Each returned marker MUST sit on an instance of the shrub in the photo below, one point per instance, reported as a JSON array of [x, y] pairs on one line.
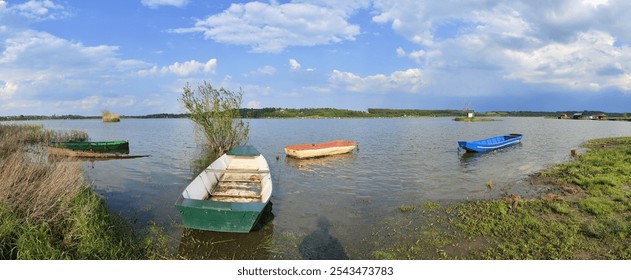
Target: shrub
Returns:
[[216, 113]]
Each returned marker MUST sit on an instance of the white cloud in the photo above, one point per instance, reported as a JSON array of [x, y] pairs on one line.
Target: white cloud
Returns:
[[266, 70], [21, 105], [38, 61], [36, 10], [273, 27], [87, 103], [294, 65], [590, 62], [157, 3], [124, 101], [7, 90], [411, 80], [183, 69], [572, 44], [254, 104], [46, 74]]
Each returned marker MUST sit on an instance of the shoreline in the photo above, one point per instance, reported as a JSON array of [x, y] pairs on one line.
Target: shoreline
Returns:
[[584, 215], [291, 113]]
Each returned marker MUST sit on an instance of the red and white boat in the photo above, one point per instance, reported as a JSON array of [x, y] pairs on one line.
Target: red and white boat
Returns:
[[320, 149]]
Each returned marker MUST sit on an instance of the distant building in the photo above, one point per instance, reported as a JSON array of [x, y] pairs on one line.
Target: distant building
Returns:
[[563, 116], [600, 117], [470, 115], [577, 116]]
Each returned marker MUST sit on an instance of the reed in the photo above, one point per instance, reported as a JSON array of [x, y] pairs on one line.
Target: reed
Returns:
[[40, 191], [108, 116], [30, 185], [65, 136], [47, 211]]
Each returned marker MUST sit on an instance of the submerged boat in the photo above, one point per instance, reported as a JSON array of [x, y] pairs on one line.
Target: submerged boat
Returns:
[[229, 195], [320, 149], [490, 144], [97, 147]]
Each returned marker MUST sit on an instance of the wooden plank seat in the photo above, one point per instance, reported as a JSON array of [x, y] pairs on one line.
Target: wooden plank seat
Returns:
[[252, 171], [240, 185]]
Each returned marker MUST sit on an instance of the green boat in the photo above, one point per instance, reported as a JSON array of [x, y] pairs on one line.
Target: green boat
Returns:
[[229, 195], [99, 147]]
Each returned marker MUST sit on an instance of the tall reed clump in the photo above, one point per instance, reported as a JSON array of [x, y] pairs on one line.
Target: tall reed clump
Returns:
[[108, 116], [65, 136], [14, 137], [41, 192], [47, 211], [216, 112]]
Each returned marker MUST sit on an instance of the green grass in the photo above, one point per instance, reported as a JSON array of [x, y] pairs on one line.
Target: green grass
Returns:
[[90, 232]]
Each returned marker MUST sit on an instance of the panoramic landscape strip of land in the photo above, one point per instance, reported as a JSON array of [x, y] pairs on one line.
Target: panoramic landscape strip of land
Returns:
[[57, 215], [343, 113]]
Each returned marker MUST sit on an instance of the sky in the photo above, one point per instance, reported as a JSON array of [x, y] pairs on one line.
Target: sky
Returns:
[[134, 57]]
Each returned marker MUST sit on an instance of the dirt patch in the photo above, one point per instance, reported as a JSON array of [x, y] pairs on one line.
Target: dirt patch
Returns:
[[556, 191], [466, 249]]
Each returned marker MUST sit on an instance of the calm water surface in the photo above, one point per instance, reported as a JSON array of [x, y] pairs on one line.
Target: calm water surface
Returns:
[[329, 207]]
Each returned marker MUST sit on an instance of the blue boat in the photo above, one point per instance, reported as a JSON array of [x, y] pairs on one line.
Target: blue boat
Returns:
[[490, 144]]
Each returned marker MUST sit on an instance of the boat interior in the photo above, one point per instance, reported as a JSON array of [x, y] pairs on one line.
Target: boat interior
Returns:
[[233, 179]]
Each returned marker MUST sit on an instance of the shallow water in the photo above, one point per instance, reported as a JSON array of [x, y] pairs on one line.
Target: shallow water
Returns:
[[329, 206]]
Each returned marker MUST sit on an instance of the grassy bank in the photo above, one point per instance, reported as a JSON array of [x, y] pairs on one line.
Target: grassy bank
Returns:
[[47, 211], [588, 216], [475, 119]]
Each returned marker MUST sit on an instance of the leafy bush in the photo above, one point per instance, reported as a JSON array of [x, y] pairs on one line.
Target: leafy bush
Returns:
[[216, 112]]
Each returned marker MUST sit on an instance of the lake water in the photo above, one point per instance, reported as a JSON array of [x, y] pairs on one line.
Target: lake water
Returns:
[[330, 207]]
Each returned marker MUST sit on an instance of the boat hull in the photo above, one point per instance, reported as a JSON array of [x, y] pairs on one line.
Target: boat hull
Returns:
[[229, 195], [92, 155], [490, 144], [302, 151], [97, 147], [219, 216]]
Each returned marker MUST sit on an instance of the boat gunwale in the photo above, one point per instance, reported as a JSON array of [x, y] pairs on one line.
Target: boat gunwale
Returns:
[[482, 145], [322, 145]]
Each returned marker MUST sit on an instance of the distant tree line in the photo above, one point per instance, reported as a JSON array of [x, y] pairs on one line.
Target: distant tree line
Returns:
[[53, 117], [302, 113], [283, 113], [398, 113]]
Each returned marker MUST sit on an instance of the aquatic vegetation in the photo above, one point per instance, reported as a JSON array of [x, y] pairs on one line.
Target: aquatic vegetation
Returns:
[[108, 116], [47, 211], [406, 208]]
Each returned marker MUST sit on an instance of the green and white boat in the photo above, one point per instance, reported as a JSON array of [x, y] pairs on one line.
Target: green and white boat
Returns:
[[230, 194]]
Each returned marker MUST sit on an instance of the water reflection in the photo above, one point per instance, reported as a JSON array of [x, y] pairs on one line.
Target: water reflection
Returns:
[[203, 160], [321, 245], [209, 245], [469, 159], [310, 163]]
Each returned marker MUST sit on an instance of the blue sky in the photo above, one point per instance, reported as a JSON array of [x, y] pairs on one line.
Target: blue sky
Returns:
[[134, 57]]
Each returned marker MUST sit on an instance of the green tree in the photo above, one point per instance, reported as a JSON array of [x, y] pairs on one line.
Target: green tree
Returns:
[[216, 112]]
